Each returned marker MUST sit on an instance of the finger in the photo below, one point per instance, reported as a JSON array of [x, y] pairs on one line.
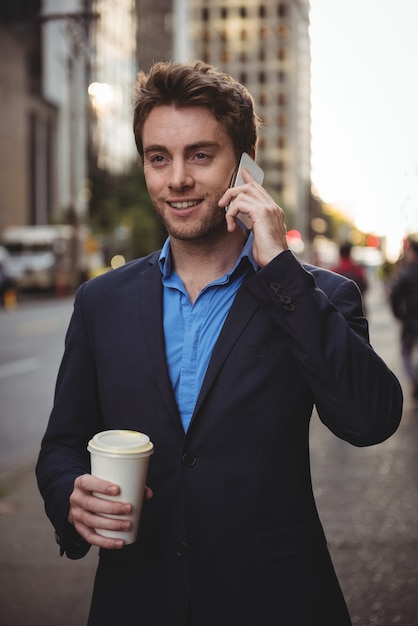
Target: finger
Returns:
[[95, 539], [81, 501], [148, 493], [247, 176], [90, 483]]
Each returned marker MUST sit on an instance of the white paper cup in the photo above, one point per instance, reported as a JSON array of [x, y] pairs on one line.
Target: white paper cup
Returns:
[[122, 457]]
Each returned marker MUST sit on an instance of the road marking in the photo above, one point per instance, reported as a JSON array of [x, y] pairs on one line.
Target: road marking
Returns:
[[19, 367]]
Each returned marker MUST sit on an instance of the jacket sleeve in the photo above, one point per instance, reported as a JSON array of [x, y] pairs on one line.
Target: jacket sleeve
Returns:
[[356, 395], [75, 417]]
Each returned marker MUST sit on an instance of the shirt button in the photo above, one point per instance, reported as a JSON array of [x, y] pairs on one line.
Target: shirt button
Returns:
[[181, 549], [188, 459]]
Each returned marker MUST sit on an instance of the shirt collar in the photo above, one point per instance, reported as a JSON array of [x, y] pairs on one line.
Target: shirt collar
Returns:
[[164, 259]]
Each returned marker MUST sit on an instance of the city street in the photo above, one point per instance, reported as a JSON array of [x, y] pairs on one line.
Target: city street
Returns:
[[32, 342], [367, 497]]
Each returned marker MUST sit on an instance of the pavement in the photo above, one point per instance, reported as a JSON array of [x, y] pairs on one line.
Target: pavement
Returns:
[[367, 500]]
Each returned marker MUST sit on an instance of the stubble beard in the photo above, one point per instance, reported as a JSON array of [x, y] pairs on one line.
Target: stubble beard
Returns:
[[211, 223]]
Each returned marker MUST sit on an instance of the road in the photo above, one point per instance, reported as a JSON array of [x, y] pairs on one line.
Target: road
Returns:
[[32, 342], [367, 497]]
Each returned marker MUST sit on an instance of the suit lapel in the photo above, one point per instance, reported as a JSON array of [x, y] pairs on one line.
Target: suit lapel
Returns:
[[151, 320], [241, 312]]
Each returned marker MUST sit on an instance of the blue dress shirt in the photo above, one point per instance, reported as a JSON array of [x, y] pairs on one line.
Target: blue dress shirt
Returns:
[[191, 330]]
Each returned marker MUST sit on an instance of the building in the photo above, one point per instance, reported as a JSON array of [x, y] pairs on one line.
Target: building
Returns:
[[113, 69], [155, 31], [27, 122], [65, 58], [43, 127]]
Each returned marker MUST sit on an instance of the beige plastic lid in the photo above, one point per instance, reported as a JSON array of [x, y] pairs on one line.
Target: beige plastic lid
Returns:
[[129, 442]]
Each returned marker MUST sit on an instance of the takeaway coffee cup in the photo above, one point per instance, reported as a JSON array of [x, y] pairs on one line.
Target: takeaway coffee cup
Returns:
[[122, 457]]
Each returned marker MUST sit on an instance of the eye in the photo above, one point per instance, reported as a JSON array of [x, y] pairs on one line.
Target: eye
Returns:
[[201, 157], [156, 160]]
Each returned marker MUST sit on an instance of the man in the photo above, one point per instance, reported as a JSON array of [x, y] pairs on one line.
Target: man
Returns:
[[348, 268], [217, 347], [404, 301]]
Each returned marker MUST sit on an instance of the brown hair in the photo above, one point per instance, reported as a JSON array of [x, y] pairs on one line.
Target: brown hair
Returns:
[[198, 84]]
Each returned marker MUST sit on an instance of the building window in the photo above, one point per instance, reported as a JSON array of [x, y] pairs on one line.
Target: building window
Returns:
[[281, 121], [262, 99], [243, 12], [281, 143], [281, 76], [206, 35], [261, 78], [243, 78], [283, 31], [205, 14], [264, 32], [282, 9], [281, 99], [262, 11], [224, 13], [281, 53]]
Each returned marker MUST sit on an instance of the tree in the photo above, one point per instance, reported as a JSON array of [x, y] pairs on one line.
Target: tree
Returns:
[[122, 215]]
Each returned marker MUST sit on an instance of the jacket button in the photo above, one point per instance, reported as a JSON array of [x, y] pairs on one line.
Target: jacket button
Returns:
[[181, 549], [188, 459]]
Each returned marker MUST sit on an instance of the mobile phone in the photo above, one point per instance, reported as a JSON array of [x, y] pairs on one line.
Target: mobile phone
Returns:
[[257, 173]]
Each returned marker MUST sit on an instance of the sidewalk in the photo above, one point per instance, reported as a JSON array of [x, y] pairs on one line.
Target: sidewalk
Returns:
[[38, 587], [367, 500]]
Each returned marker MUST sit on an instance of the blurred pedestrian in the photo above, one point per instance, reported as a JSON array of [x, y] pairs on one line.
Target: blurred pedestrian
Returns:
[[404, 302], [347, 267], [217, 347]]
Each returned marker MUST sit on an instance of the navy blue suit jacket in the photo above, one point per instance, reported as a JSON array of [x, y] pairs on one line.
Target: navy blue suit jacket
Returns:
[[232, 528]]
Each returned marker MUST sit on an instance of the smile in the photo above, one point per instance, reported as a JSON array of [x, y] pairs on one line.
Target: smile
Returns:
[[183, 205]]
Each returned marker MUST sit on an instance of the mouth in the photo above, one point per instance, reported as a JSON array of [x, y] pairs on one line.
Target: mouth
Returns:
[[184, 204]]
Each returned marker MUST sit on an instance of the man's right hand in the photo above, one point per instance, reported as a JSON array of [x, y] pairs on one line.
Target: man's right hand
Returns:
[[88, 511]]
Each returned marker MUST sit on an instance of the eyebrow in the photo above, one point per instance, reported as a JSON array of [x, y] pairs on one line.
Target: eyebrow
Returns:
[[189, 148]]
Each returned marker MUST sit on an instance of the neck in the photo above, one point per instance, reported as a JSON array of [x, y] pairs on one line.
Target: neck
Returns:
[[198, 263]]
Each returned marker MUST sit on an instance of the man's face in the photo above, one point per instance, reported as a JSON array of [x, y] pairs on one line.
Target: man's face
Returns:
[[189, 161]]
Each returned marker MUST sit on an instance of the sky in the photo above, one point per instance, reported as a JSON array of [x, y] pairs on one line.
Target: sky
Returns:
[[365, 111]]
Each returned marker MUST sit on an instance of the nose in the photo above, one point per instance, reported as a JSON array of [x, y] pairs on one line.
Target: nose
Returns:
[[180, 175]]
